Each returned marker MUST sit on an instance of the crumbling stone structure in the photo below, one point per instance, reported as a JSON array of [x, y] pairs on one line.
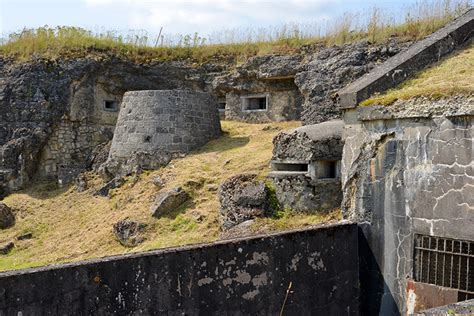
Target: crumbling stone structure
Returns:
[[155, 125], [261, 90], [306, 167], [408, 179], [55, 112]]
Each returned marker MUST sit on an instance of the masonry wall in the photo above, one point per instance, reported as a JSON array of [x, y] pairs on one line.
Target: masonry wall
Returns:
[[164, 120], [401, 177], [240, 277]]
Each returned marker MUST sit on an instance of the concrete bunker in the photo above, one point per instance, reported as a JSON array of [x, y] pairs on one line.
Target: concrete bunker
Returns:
[[306, 167], [157, 124], [261, 90], [408, 180]]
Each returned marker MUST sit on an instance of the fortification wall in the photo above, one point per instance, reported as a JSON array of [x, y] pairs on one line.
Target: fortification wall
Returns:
[[174, 121], [404, 177], [240, 277]]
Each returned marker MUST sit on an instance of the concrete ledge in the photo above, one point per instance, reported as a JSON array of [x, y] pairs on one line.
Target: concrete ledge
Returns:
[[251, 276], [403, 65]]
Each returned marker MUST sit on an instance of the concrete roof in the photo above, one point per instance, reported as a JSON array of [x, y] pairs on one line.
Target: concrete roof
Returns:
[[403, 65], [321, 131]]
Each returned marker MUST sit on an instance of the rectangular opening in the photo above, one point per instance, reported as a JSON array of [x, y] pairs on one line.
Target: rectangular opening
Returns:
[[445, 262], [254, 103], [111, 105], [290, 167], [221, 106], [326, 169]]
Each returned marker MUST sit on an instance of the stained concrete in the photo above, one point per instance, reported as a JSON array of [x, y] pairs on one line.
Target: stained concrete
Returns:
[[401, 177], [240, 277]]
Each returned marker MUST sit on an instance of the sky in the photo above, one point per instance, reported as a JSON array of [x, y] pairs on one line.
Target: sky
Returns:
[[177, 16]]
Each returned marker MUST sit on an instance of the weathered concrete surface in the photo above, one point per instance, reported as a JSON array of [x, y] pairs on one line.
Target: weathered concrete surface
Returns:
[[423, 296], [403, 65], [460, 308], [401, 177], [312, 142], [242, 197], [239, 277], [303, 194], [304, 191]]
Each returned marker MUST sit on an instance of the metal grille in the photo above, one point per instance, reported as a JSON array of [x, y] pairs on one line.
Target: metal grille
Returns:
[[445, 262]]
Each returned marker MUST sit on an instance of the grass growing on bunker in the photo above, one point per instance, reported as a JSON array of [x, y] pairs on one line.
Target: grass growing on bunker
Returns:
[[70, 226], [449, 77], [376, 26]]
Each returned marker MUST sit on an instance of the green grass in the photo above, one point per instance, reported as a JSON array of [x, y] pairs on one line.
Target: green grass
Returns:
[[449, 77], [419, 20]]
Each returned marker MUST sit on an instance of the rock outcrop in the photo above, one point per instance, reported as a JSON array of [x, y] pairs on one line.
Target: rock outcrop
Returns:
[[242, 198], [128, 232], [7, 218], [168, 201]]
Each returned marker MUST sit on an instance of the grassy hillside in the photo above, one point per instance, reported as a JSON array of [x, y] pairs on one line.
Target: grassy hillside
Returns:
[[69, 226], [418, 21], [451, 76]]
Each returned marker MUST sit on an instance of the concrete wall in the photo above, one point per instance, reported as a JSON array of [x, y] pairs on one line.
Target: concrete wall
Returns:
[[282, 105], [240, 277], [401, 177], [164, 120]]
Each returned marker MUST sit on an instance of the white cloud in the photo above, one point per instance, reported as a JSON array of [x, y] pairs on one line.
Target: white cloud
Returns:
[[206, 16]]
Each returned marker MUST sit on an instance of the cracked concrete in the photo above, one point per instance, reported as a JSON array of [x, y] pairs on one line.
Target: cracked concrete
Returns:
[[405, 176]]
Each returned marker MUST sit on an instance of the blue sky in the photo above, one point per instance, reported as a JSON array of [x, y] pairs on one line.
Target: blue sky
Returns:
[[177, 16]]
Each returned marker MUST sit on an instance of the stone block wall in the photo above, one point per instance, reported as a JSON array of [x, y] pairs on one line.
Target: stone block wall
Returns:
[[174, 121], [403, 177], [69, 146], [315, 269]]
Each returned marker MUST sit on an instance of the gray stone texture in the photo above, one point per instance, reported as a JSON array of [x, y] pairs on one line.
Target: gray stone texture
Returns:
[[239, 277], [461, 308], [302, 194], [313, 142], [7, 218], [5, 248], [242, 198], [417, 57], [168, 201], [307, 144], [128, 232], [52, 110], [174, 121], [407, 176]]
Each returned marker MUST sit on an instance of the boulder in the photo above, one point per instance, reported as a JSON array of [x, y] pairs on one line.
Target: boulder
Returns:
[[6, 248], [168, 201], [81, 183], [112, 184], [158, 182], [242, 198], [128, 232], [7, 218]]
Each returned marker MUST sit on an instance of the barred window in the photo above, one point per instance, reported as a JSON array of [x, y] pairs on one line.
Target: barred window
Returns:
[[445, 262]]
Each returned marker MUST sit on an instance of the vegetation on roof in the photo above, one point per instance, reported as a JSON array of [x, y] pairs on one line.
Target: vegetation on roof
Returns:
[[69, 226], [419, 20], [452, 76]]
